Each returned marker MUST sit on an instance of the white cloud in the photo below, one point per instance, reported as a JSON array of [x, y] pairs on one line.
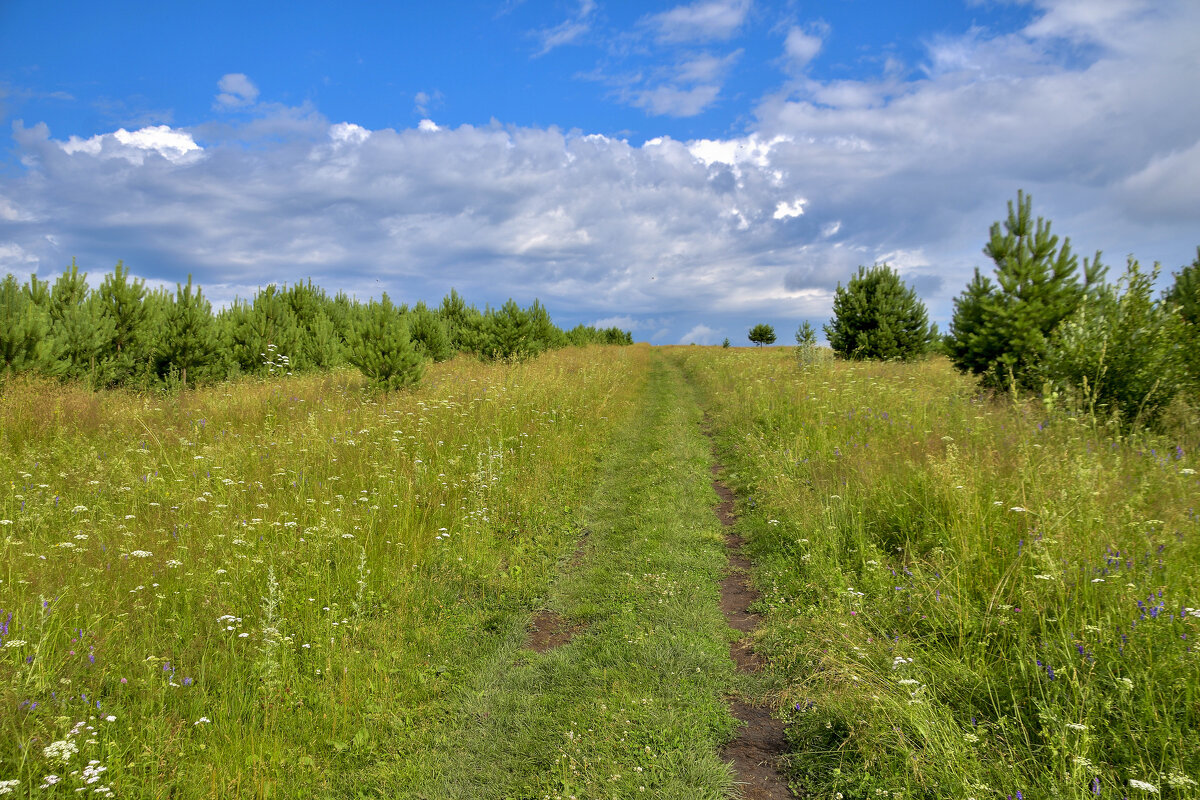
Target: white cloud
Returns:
[[669, 232], [801, 47], [706, 20], [237, 91], [785, 210], [673, 101], [700, 334], [567, 31], [174, 145]]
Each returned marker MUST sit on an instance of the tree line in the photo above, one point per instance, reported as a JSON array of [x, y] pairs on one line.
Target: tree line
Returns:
[[124, 334], [1040, 324]]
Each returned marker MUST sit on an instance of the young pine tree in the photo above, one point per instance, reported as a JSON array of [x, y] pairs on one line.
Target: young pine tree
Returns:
[[1000, 331], [24, 326], [189, 344], [78, 325], [381, 348], [123, 303], [762, 334], [876, 316], [1184, 295]]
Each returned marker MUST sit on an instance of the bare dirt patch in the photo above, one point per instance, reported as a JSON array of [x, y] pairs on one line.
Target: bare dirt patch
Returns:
[[760, 743], [548, 630]]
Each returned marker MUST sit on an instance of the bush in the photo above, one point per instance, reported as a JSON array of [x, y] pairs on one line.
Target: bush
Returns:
[[1001, 331], [1184, 295], [877, 317], [1118, 353]]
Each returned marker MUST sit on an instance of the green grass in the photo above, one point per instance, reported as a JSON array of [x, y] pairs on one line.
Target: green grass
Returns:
[[633, 705], [263, 589], [965, 597], [293, 588]]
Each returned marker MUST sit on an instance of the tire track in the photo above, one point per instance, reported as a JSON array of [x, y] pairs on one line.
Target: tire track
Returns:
[[760, 743]]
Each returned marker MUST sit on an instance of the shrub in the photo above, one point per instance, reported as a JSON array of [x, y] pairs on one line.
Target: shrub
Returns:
[[1118, 352], [1184, 295], [877, 317]]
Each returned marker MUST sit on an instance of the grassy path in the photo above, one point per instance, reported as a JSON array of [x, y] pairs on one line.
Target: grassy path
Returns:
[[632, 705]]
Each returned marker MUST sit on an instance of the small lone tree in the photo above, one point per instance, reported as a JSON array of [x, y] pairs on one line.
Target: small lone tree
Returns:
[[1000, 331], [876, 316], [806, 343], [725, 343], [762, 334]]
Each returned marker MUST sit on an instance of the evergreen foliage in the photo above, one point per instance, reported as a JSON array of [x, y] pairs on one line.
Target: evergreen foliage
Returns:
[[381, 348], [429, 333], [123, 334], [1184, 295], [1000, 331], [762, 334], [189, 343], [24, 329], [806, 344], [1118, 352], [876, 316]]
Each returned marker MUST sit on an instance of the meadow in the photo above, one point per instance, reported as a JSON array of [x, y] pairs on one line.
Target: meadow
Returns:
[[256, 588], [965, 596], [297, 587]]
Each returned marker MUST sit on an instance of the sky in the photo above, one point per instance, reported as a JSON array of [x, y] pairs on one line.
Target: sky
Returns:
[[681, 170]]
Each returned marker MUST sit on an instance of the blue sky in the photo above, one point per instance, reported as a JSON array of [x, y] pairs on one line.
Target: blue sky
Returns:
[[682, 169]]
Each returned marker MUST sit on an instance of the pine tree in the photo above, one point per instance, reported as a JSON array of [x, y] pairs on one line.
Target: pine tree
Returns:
[[429, 333], [464, 323], [509, 332], [78, 325], [1000, 331], [381, 348], [1184, 295], [189, 346], [23, 329], [123, 304], [762, 334], [876, 316]]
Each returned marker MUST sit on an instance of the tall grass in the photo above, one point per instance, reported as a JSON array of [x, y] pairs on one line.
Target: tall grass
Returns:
[[967, 597], [254, 589]]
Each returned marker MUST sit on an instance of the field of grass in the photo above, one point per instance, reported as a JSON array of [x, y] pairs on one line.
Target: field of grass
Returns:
[[292, 588], [263, 588], [965, 597]]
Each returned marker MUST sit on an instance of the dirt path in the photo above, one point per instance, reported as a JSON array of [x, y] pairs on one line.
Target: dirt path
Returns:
[[756, 750]]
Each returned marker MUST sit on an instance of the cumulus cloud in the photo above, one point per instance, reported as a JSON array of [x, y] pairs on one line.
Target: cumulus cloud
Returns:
[[801, 47], [237, 91], [706, 20], [700, 334], [174, 145]]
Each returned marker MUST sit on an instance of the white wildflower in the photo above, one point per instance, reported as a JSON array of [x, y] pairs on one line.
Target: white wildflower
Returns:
[[1145, 787], [141, 554], [62, 750]]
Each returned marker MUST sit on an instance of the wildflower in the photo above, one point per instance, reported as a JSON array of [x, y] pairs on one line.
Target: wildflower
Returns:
[[201, 721], [1017, 509], [1075, 726], [1178, 780], [1145, 787], [110, 718], [141, 554], [49, 781], [62, 750], [1187, 471], [15, 643], [6, 787]]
